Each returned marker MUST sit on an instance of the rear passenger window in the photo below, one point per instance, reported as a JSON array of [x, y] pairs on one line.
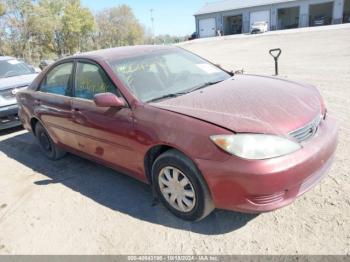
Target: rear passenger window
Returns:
[[58, 80], [91, 80]]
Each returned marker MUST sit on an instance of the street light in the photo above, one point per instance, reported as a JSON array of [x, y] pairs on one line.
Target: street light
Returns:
[[152, 20]]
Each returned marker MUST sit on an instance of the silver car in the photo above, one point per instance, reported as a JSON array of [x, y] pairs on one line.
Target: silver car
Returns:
[[14, 76], [259, 27]]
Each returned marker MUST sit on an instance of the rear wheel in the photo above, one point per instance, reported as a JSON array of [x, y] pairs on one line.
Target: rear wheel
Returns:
[[181, 187], [46, 144]]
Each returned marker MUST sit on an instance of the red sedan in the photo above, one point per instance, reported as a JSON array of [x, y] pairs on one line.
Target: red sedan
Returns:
[[202, 137]]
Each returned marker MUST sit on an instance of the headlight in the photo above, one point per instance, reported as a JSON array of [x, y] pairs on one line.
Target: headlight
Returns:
[[255, 146]]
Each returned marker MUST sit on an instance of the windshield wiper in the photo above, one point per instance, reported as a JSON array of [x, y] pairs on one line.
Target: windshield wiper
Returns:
[[164, 97], [201, 86], [173, 95]]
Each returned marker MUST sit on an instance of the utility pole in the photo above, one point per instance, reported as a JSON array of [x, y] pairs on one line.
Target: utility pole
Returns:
[[152, 20]]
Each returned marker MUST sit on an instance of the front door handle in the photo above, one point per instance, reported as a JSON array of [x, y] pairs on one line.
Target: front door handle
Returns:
[[37, 102], [78, 116]]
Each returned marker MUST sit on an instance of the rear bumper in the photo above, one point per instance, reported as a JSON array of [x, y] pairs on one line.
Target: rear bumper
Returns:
[[255, 186], [9, 117]]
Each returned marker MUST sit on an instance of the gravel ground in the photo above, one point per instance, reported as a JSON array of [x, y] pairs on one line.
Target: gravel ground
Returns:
[[77, 207]]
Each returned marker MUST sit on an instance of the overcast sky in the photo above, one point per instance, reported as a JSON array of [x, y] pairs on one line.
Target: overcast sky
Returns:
[[173, 17]]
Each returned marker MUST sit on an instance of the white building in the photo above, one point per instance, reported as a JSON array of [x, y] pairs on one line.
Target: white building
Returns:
[[236, 16]]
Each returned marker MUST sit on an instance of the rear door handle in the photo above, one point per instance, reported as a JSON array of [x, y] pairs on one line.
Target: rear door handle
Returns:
[[76, 109], [37, 102]]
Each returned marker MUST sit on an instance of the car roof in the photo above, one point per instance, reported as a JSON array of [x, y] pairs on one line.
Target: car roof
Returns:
[[4, 58], [119, 53]]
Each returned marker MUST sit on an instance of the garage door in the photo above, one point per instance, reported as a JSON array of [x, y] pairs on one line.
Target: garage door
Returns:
[[260, 16], [207, 27]]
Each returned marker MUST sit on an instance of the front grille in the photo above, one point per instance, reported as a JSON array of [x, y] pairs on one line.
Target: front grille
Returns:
[[8, 94], [11, 93], [307, 131]]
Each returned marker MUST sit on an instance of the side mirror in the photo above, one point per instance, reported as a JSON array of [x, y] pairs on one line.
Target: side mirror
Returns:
[[108, 100]]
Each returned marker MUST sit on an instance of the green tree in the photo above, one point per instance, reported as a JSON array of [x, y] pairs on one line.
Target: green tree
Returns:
[[2, 31], [48, 26], [41, 29], [18, 25], [118, 26], [44, 29], [2, 9], [77, 25]]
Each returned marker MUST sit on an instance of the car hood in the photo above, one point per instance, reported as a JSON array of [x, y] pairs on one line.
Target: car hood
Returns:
[[248, 103], [16, 81]]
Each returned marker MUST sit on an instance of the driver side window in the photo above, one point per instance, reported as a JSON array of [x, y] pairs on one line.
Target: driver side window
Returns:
[[91, 80]]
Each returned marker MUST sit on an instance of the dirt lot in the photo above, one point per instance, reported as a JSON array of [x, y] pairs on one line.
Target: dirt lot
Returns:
[[77, 207]]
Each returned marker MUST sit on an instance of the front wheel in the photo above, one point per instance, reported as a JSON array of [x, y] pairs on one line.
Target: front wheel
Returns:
[[181, 187]]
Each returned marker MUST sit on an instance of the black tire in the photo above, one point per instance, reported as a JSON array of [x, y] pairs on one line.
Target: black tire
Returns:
[[47, 146], [203, 202]]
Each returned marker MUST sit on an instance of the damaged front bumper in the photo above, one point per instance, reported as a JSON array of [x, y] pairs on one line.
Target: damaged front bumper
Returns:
[[255, 186]]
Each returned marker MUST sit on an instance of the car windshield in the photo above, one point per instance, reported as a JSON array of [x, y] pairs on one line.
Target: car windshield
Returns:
[[14, 67], [166, 73]]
